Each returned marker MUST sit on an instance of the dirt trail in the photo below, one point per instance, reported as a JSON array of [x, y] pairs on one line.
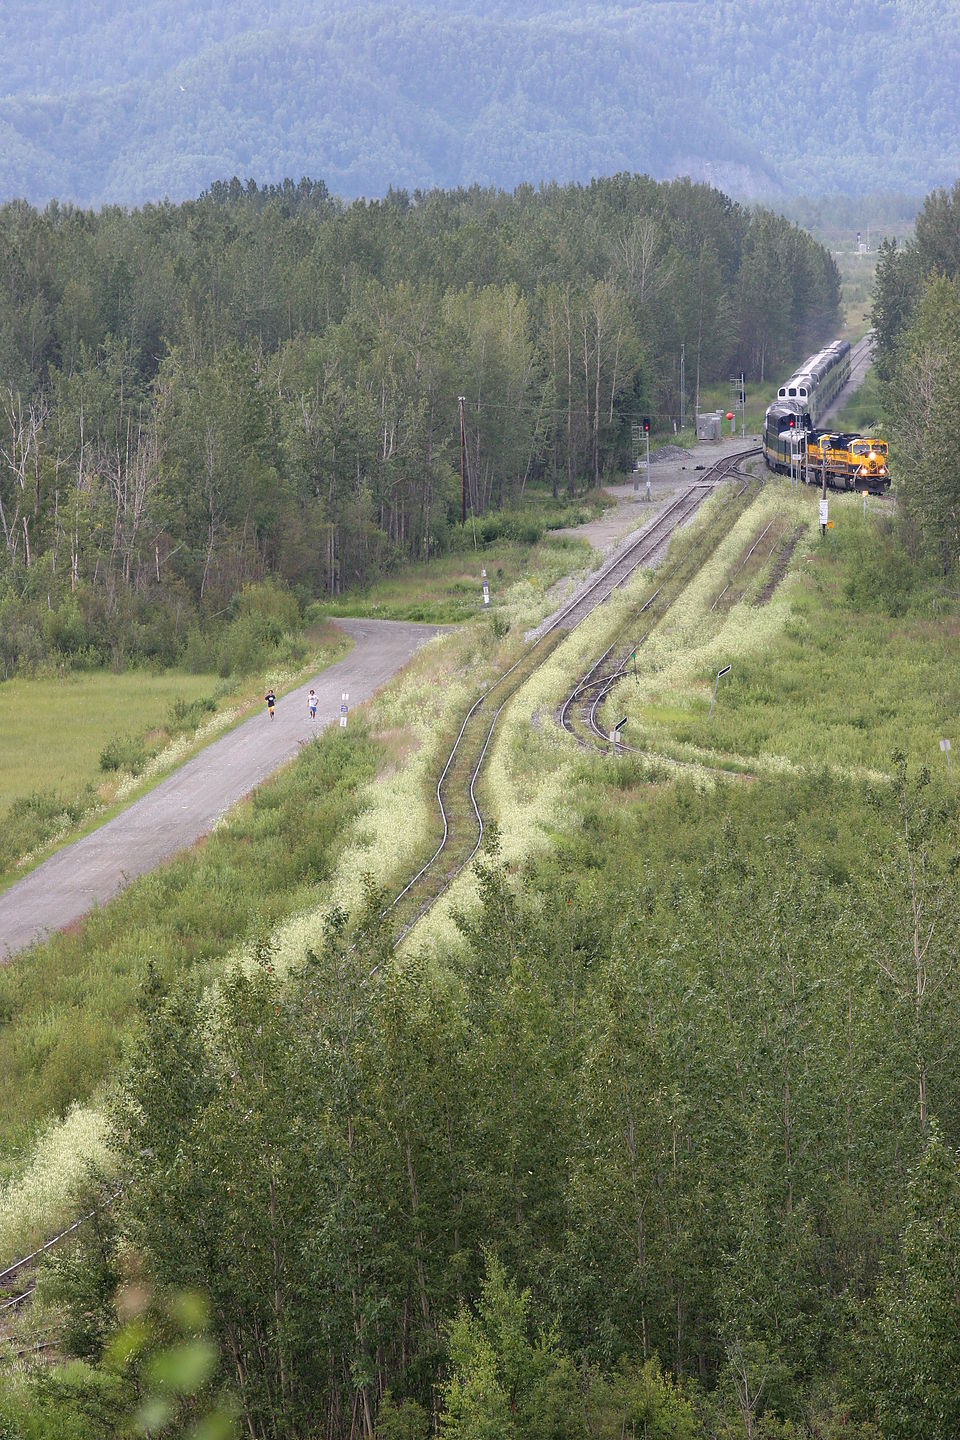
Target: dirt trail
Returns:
[[185, 806]]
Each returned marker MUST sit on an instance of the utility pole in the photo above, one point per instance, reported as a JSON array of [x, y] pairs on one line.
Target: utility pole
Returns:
[[682, 382], [646, 431], [463, 464]]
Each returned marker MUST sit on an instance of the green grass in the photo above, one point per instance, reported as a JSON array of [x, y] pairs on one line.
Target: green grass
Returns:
[[450, 588], [721, 397], [862, 411], [865, 664], [74, 744], [54, 729]]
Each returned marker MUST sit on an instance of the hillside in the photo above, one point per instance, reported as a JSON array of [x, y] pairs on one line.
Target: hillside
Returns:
[[645, 1119], [419, 95]]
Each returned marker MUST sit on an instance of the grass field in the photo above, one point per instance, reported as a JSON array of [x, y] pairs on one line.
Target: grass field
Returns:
[[57, 729], [54, 729], [450, 588], [849, 659]]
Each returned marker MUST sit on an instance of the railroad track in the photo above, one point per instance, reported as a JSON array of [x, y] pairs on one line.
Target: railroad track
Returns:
[[19, 1280], [460, 813], [594, 687], [578, 714], [860, 355]]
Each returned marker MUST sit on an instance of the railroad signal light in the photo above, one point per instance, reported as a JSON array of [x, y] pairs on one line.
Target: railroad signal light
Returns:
[[646, 425]]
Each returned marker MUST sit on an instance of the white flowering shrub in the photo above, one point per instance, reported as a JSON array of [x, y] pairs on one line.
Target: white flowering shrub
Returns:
[[41, 1197]]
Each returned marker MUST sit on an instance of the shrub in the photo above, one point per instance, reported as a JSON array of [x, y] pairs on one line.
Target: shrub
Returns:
[[124, 752], [188, 715], [883, 577]]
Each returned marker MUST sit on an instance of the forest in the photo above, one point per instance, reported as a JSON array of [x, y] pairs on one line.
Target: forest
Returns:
[[774, 100], [264, 383], [916, 318]]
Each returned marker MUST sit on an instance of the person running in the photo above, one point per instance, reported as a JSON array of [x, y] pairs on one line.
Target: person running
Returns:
[[312, 704], [271, 700]]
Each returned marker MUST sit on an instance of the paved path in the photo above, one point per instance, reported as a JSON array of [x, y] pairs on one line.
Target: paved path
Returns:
[[185, 806]]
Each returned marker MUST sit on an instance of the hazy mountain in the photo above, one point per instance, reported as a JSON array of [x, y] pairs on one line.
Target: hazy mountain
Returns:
[[120, 100]]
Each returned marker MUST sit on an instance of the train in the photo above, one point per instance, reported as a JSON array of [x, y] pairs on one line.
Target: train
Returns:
[[817, 383], [793, 443]]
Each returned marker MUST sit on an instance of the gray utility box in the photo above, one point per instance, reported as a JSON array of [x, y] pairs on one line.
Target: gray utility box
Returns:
[[710, 426]]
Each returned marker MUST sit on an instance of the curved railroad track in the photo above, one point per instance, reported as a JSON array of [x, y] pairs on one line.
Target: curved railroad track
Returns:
[[461, 817], [578, 714], [594, 687]]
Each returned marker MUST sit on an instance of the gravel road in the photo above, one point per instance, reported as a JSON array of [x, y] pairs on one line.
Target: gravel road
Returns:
[[185, 806]]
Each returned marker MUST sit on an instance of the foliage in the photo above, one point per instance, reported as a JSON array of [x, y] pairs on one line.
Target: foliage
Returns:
[[916, 318], [68, 1005], [237, 396], [662, 1140], [918, 1336], [659, 1078], [501, 1382]]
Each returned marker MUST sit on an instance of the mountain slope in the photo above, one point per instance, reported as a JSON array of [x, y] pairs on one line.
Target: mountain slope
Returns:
[[757, 99]]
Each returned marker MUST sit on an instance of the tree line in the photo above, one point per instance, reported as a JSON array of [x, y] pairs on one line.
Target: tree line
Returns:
[[916, 319], [265, 382]]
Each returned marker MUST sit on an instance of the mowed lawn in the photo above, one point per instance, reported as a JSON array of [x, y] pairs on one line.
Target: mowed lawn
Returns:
[[52, 731]]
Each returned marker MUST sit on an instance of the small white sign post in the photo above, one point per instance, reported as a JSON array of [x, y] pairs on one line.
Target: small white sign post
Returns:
[[720, 674], [344, 697], [486, 587], [824, 510], [945, 747]]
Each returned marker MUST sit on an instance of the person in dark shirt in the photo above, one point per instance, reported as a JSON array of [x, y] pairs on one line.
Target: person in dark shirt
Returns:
[[271, 700]]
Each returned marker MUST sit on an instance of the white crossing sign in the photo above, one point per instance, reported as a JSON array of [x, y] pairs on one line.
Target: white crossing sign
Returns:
[[344, 697], [824, 505], [713, 698]]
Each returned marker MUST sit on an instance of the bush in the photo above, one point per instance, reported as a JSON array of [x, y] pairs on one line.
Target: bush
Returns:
[[186, 715], [124, 752], [883, 578], [30, 820]]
